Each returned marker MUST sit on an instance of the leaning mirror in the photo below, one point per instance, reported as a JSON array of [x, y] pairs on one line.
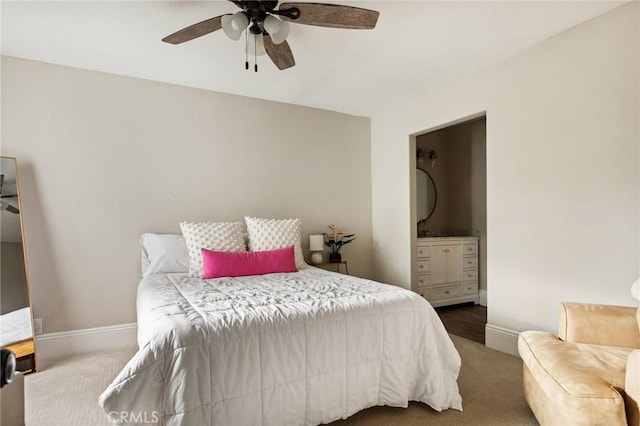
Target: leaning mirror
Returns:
[[426, 195], [16, 324]]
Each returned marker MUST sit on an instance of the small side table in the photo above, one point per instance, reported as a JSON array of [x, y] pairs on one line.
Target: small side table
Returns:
[[334, 266]]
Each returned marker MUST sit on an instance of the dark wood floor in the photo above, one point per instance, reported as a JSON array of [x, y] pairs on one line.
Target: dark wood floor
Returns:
[[466, 321]]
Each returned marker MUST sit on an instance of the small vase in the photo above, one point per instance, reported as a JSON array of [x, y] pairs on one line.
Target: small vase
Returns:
[[335, 257]]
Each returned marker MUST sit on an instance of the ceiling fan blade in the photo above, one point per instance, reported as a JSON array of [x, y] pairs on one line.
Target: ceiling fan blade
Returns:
[[280, 54], [332, 15], [195, 31]]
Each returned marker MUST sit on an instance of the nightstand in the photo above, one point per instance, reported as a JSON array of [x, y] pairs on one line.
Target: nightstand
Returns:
[[334, 266]]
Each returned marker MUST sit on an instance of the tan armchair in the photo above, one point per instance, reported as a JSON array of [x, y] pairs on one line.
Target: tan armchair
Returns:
[[590, 373]]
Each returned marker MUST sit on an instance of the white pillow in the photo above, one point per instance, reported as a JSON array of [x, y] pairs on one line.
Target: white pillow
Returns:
[[163, 254], [269, 234], [220, 236]]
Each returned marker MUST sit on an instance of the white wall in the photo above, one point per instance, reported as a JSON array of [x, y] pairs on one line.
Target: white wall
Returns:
[[103, 158], [562, 171]]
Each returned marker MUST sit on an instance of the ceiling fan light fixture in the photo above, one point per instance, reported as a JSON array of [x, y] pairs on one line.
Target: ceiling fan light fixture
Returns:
[[234, 25], [277, 29]]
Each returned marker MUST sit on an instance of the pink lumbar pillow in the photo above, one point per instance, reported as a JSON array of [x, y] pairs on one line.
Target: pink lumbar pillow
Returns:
[[238, 264]]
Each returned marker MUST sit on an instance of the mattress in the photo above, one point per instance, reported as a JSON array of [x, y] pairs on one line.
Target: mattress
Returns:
[[299, 348]]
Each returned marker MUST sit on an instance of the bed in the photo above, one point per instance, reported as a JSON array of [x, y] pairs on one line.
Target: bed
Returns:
[[300, 348]]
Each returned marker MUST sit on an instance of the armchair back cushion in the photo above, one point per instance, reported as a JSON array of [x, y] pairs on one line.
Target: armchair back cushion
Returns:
[[593, 324]]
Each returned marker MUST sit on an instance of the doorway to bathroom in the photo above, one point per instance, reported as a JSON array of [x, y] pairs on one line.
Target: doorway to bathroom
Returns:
[[449, 195]]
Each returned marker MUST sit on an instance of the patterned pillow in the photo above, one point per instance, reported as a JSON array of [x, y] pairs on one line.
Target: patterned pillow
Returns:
[[269, 234], [222, 236]]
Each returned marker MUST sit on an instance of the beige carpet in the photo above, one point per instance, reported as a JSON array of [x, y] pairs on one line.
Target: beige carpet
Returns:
[[65, 392]]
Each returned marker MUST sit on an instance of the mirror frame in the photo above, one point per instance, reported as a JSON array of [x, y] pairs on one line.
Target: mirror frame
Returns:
[[435, 195], [25, 347]]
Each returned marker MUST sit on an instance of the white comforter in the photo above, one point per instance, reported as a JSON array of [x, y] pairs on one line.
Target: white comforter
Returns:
[[280, 349]]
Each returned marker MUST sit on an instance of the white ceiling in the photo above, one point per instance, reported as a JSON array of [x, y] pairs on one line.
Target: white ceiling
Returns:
[[415, 43]]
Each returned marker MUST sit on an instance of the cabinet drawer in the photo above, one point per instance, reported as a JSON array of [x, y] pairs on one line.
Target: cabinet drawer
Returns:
[[469, 249], [469, 275], [423, 251], [469, 288], [423, 266], [445, 292], [423, 280], [469, 262], [425, 292]]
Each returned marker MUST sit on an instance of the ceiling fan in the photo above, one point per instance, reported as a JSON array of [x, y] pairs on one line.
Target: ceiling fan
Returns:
[[3, 204], [267, 27]]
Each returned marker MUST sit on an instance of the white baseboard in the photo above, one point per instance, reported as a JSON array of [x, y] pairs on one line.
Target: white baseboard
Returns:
[[64, 343], [483, 297], [501, 339]]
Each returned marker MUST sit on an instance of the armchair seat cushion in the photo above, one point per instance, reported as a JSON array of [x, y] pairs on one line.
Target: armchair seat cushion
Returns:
[[573, 383]]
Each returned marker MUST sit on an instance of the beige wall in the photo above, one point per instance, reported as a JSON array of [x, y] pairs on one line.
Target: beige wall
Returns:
[[104, 158], [563, 193], [478, 193]]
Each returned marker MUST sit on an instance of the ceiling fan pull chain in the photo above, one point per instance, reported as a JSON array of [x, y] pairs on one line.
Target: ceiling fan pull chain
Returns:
[[246, 50], [255, 53]]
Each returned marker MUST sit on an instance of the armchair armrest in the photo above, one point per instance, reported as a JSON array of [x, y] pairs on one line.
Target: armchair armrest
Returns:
[[598, 324]]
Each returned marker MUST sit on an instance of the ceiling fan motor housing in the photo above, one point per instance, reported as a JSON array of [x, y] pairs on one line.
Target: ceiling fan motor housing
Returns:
[[257, 12]]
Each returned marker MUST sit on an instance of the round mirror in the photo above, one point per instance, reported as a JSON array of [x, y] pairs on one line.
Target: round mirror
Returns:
[[426, 195]]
